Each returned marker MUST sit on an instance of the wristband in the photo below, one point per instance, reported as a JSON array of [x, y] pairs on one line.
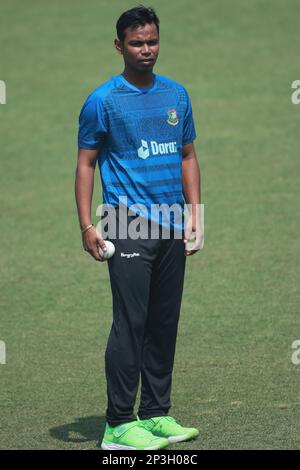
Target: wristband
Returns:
[[85, 229]]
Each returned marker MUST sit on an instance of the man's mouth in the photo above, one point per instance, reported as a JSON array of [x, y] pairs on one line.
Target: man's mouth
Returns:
[[147, 60]]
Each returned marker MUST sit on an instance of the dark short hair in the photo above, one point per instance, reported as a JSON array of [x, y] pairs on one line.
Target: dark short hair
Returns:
[[138, 16]]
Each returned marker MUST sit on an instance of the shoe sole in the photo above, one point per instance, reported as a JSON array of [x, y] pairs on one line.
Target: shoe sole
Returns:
[[113, 446], [183, 437]]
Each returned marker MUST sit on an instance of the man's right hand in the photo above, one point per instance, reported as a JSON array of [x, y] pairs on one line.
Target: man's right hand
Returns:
[[91, 241]]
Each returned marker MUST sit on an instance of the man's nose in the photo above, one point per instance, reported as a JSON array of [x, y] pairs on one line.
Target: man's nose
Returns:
[[146, 49]]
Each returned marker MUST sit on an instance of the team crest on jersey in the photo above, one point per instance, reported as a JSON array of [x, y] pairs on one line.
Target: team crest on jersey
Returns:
[[172, 117]]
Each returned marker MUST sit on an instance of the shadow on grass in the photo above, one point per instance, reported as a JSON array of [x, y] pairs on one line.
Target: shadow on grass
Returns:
[[87, 429]]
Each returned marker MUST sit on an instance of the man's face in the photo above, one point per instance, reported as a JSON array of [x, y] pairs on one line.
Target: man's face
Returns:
[[140, 47]]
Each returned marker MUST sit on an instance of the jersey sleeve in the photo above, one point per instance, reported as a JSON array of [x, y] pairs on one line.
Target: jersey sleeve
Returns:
[[189, 133], [92, 128]]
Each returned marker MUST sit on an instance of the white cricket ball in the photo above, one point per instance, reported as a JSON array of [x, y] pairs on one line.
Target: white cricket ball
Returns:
[[109, 252]]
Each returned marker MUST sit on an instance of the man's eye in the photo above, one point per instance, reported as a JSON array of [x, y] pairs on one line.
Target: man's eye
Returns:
[[139, 44]]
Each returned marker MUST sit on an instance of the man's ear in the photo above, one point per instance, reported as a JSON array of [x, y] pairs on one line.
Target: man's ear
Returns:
[[118, 45]]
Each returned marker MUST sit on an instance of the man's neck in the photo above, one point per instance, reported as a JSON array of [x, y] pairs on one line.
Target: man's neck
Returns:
[[140, 80]]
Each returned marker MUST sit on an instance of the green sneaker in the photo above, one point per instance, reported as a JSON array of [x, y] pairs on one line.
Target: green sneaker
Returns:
[[166, 426], [131, 436]]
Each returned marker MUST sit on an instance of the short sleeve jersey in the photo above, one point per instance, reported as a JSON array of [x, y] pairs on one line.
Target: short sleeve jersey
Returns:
[[139, 134]]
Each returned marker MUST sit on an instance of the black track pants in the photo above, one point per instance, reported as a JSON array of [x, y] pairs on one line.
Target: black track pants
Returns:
[[147, 281]]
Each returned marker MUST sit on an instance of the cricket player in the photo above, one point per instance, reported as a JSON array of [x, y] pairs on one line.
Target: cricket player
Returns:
[[139, 128]]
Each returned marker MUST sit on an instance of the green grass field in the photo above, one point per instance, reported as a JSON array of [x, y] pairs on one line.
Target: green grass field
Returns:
[[233, 375]]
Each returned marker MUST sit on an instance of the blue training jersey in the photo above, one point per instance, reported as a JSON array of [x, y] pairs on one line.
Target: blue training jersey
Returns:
[[139, 134]]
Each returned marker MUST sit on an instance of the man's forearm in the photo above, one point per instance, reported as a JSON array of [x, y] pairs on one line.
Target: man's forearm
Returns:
[[84, 186], [191, 180]]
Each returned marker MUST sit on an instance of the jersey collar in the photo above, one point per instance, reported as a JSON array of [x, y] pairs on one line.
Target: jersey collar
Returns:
[[130, 85]]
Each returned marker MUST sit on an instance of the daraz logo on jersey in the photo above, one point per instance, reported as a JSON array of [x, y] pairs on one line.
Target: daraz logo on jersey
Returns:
[[156, 149]]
